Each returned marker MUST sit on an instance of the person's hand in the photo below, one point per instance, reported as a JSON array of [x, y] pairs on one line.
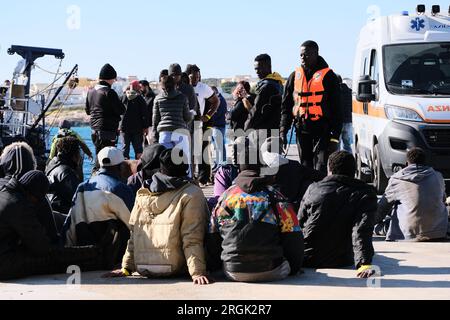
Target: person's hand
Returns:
[[205, 118], [333, 146], [365, 272], [115, 274], [201, 280]]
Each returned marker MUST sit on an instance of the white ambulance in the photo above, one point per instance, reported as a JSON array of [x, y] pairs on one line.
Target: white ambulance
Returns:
[[401, 85]]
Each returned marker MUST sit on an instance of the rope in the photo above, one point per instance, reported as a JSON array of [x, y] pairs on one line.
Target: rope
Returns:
[[50, 72]]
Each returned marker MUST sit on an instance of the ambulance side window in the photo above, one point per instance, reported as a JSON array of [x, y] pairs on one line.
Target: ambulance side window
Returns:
[[365, 63], [375, 71]]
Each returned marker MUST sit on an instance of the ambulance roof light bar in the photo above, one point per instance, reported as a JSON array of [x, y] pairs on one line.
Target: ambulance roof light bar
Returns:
[[421, 9], [436, 9]]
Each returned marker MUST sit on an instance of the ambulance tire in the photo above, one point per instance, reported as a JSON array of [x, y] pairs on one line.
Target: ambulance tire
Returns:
[[380, 181], [359, 170]]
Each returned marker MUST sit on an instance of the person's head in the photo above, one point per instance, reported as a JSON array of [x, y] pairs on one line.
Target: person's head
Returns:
[[163, 74], [168, 84], [342, 163], [108, 74], [309, 54], [69, 148], [65, 124], [339, 77], [144, 87], [214, 88], [173, 163], [194, 74], [7, 83], [248, 155], [110, 159], [175, 72], [135, 86], [17, 159], [150, 158], [416, 156], [242, 85], [36, 185], [185, 78], [263, 65]]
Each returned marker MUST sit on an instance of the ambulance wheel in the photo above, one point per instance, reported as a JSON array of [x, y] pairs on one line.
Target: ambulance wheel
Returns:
[[380, 180], [360, 173]]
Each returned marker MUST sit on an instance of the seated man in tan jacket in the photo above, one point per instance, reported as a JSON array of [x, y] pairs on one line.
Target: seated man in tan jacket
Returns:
[[168, 224]]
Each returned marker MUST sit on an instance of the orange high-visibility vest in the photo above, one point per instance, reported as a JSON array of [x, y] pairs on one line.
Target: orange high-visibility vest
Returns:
[[308, 95]]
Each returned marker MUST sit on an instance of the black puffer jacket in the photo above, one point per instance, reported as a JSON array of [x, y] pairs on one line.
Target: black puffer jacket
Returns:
[[170, 112], [266, 113], [19, 226], [337, 218], [104, 107], [61, 173]]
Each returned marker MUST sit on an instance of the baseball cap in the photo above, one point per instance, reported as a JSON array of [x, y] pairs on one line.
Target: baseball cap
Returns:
[[110, 157]]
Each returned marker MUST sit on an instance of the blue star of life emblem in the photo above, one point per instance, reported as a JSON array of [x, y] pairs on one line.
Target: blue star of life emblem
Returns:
[[417, 24]]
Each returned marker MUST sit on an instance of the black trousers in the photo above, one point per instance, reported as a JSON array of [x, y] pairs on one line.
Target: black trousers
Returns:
[[313, 149], [204, 168], [102, 139], [21, 264]]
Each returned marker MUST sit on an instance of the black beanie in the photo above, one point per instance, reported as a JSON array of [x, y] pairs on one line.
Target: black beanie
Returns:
[[169, 168], [17, 160], [36, 183], [175, 69], [108, 72]]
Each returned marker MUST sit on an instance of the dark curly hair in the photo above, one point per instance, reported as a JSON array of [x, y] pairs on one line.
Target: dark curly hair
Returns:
[[342, 163]]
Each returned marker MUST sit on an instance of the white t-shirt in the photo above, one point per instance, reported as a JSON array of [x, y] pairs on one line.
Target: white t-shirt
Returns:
[[203, 92]]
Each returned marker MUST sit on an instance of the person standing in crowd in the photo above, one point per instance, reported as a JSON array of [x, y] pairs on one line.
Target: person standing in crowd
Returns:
[[184, 88], [65, 130], [347, 116], [149, 97], [25, 248], [415, 200], [337, 216], [105, 108], [168, 226], [135, 122], [219, 131], [62, 174], [208, 102], [264, 113], [254, 232], [171, 117], [312, 102], [102, 205], [239, 113]]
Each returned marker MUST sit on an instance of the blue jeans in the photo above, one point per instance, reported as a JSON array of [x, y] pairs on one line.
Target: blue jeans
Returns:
[[347, 137], [218, 141]]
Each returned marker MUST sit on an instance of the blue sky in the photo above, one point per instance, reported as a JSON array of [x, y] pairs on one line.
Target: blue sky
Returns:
[[222, 37]]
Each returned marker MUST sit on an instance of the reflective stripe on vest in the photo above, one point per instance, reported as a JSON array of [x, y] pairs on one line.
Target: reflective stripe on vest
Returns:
[[308, 95]]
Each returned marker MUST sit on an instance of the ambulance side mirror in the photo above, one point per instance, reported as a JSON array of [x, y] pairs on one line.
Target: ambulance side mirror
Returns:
[[366, 92]]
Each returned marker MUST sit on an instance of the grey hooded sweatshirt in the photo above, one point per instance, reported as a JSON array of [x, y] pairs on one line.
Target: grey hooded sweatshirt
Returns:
[[421, 215]]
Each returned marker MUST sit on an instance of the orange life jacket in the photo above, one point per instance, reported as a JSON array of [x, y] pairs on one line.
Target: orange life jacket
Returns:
[[308, 95]]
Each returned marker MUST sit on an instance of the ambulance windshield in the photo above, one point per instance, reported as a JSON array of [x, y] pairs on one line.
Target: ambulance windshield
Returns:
[[421, 68]]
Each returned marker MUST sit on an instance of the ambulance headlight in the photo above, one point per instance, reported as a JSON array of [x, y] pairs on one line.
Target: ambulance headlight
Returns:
[[399, 113]]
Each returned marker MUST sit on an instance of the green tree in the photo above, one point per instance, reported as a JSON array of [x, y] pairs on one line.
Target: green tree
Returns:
[[228, 87]]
